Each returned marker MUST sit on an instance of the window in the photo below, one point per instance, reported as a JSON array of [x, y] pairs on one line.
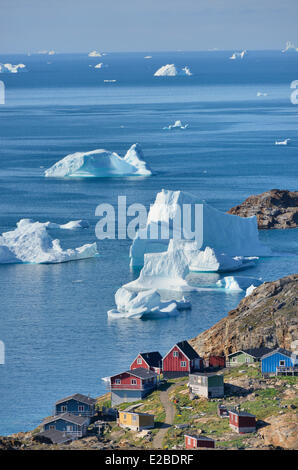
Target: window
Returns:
[[189, 440], [81, 408], [133, 382], [69, 428], [282, 363], [124, 416], [63, 408], [52, 426], [118, 381], [139, 361], [175, 353], [183, 363], [134, 418]]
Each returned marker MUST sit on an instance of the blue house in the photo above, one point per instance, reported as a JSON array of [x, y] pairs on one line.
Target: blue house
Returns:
[[77, 404], [279, 361], [71, 425]]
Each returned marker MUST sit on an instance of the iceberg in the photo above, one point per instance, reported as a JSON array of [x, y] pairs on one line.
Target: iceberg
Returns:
[[98, 66], [94, 54], [72, 225], [146, 303], [30, 242], [249, 290], [10, 68], [290, 47], [262, 94], [148, 57], [225, 233], [238, 55], [177, 125], [282, 142], [170, 70], [101, 163], [209, 260], [238, 283]]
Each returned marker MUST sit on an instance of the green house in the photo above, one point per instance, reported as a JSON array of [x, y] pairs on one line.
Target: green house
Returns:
[[246, 356]]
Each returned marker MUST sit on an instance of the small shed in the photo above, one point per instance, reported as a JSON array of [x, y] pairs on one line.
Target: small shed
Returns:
[[135, 421], [246, 356], [222, 411], [242, 422], [198, 442], [218, 362], [279, 361], [206, 385]]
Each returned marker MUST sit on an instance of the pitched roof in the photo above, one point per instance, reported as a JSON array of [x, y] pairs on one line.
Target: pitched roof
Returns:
[[78, 397], [257, 352], [53, 435], [199, 438], [188, 350], [241, 413], [66, 417], [285, 352], [142, 373], [153, 359]]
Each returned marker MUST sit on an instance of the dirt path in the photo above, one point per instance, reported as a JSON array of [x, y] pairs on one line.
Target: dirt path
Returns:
[[170, 414]]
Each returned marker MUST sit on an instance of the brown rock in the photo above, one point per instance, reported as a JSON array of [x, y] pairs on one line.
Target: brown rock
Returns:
[[282, 431], [274, 209]]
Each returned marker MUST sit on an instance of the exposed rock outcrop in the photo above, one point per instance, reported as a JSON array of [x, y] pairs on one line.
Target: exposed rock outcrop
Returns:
[[267, 317], [282, 432], [274, 209]]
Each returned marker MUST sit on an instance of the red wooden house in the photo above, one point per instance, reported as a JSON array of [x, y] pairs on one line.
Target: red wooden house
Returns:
[[197, 442], [217, 362], [181, 360], [242, 422], [132, 385], [150, 361]]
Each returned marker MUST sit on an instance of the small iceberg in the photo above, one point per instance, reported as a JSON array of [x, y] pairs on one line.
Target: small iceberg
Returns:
[[290, 47], [170, 70], [282, 142], [110, 81], [210, 260], [146, 303], [10, 68], [52, 52], [177, 125], [94, 54], [98, 66], [238, 55], [72, 225], [30, 242], [262, 94], [249, 290], [148, 57], [101, 163], [238, 283]]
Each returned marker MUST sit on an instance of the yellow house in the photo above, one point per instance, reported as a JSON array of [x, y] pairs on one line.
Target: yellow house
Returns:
[[135, 421]]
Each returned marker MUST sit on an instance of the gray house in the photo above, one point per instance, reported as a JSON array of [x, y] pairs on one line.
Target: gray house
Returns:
[[76, 404], [72, 425], [207, 385]]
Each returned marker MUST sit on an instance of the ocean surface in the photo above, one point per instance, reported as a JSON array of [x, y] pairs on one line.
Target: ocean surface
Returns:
[[53, 318]]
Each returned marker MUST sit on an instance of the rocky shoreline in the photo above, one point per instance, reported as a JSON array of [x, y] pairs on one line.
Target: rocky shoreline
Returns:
[[274, 209]]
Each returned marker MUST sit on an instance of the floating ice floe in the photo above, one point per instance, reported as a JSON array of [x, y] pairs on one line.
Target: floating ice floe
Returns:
[[238, 283], [110, 81], [290, 47], [94, 54], [132, 304], [30, 242], [72, 225], [10, 68], [225, 233], [101, 163], [98, 66], [177, 125], [170, 70], [282, 142], [260, 93], [148, 57], [238, 55]]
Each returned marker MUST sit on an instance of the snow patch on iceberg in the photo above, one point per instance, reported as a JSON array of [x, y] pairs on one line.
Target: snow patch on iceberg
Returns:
[[30, 242], [101, 163]]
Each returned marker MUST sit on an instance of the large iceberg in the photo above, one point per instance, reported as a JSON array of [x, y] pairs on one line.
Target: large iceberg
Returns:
[[132, 304], [290, 46], [239, 283], [225, 233], [30, 242], [170, 70], [101, 163]]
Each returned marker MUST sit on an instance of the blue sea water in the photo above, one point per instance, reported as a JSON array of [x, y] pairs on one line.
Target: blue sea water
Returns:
[[53, 318]]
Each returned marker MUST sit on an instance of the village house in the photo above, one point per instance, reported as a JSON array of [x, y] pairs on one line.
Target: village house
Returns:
[[242, 422], [132, 385], [246, 356], [135, 421], [181, 360], [72, 425], [76, 404], [216, 362], [150, 360], [279, 362], [52, 436], [197, 442], [207, 385]]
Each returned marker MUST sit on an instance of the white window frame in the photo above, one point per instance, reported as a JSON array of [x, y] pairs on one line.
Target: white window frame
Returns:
[[69, 428], [175, 353], [133, 382], [63, 408], [280, 363], [139, 360], [183, 364], [52, 426], [81, 408], [117, 381]]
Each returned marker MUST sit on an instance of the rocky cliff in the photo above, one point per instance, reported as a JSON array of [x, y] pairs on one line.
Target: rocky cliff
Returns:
[[274, 209], [267, 317]]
